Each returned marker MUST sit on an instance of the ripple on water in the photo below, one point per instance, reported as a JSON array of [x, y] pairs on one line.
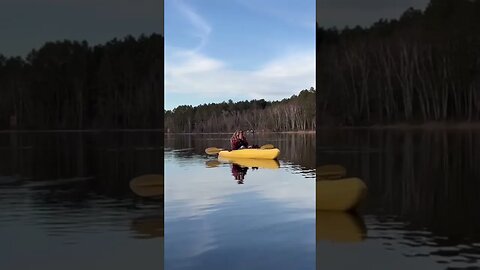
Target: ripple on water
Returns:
[[397, 236]]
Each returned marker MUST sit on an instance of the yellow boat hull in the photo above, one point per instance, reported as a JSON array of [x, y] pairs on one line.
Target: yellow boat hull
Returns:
[[251, 153], [250, 162], [340, 227], [340, 195]]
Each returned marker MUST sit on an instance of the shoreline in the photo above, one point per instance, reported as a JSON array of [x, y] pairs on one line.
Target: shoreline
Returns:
[[75, 130], [409, 126], [258, 132]]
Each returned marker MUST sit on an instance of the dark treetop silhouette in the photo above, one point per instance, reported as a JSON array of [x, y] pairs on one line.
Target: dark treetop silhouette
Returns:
[[71, 85], [424, 66]]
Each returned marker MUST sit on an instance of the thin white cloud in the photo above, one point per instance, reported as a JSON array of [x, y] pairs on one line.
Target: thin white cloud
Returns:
[[192, 72], [189, 71], [202, 28], [191, 63]]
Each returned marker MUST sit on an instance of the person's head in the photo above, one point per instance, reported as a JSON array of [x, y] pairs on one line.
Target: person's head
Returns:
[[238, 134]]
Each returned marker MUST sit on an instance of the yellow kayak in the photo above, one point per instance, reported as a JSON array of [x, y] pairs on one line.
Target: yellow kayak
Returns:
[[340, 195], [251, 153], [251, 162], [340, 227]]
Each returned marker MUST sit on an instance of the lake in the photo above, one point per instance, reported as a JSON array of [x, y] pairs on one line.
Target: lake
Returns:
[[66, 201], [421, 211], [221, 215]]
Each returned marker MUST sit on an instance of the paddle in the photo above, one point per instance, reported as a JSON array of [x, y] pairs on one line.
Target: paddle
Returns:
[[149, 185], [212, 163], [267, 146], [215, 150]]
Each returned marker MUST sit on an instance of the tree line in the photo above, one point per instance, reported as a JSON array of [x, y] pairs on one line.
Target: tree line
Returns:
[[424, 66], [296, 113], [72, 85]]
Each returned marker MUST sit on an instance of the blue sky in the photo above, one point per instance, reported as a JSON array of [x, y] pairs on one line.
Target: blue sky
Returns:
[[216, 50]]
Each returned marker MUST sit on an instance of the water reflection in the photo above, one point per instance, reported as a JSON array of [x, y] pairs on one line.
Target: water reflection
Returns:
[[150, 185], [340, 227], [148, 226], [252, 163], [212, 163], [240, 167], [331, 171], [239, 173], [65, 195], [422, 207], [265, 223], [296, 149]]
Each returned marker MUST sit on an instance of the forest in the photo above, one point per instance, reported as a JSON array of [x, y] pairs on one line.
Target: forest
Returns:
[[72, 85], [422, 67], [296, 113]]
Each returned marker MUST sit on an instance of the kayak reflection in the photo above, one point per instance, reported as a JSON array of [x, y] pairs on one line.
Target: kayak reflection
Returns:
[[340, 227], [240, 166], [239, 173], [148, 226], [252, 163]]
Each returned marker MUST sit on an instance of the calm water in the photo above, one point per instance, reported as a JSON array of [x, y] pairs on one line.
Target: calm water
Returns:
[[422, 209], [214, 219], [66, 202]]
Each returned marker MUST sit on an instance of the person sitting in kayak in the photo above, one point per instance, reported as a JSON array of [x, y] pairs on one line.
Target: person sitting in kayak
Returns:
[[238, 140]]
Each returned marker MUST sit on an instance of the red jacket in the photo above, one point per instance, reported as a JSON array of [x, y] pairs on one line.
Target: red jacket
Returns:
[[236, 143]]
